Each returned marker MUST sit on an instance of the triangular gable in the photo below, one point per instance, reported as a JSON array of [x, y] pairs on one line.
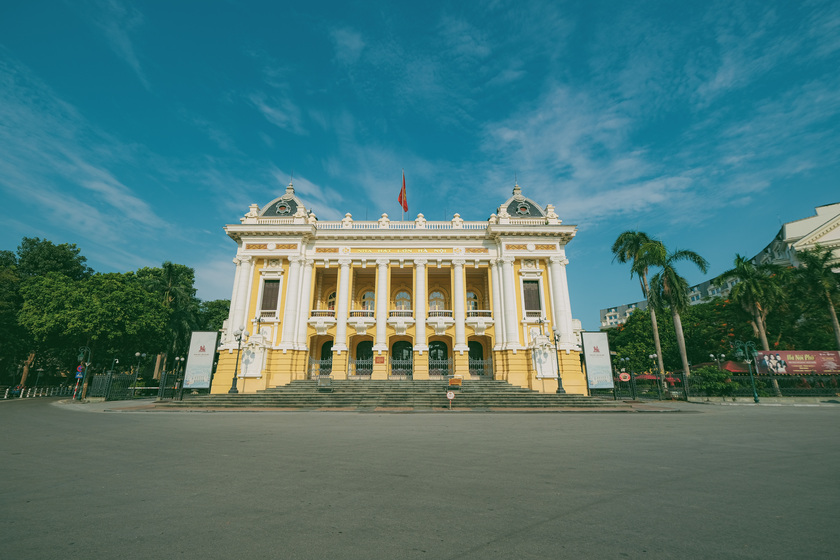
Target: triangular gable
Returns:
[[826, 234]]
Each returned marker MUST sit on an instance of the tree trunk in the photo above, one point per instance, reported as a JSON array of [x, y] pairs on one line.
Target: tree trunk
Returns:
[[762, 332], [656, 344], [834, 322], [681, 342], [26, 365]]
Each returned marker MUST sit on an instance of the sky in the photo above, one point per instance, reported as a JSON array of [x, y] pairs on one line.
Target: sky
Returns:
[[138, 130]]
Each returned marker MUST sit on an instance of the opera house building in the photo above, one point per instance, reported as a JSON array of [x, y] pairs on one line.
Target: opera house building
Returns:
[[387, 299]]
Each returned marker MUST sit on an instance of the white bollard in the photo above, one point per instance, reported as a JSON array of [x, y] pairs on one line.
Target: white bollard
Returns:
[[6, 396]]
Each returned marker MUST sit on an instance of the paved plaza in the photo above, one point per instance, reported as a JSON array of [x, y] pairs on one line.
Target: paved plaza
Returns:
[[698, 481]]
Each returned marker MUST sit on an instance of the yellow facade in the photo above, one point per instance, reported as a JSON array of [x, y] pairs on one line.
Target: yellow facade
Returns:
[[382, 300]]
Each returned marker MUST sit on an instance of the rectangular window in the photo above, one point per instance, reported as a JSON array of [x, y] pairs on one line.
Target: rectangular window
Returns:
[[531, 292], [270, 295]]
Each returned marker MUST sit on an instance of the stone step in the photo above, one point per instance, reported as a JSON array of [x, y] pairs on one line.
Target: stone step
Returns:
[[475, 393]]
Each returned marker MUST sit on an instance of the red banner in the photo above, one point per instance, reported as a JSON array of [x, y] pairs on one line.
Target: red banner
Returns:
[[797, 362]]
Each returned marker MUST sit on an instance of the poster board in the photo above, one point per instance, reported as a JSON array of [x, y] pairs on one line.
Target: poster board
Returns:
[[200, 360], [596, 352]]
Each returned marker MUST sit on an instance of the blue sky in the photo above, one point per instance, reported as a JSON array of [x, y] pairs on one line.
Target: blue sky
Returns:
[[137, 130]]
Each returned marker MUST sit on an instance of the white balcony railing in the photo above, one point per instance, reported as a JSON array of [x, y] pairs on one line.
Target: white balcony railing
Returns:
[[322, 313]]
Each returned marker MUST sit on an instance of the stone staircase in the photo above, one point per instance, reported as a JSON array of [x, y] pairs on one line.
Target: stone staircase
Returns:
[[366, 394]]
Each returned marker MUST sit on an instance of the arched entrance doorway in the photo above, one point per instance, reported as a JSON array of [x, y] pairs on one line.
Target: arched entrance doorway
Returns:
[[362, 364], [476, 358], [439, 363], [401, 359]]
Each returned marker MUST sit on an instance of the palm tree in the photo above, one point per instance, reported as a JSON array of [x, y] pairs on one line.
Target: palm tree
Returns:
[[817, 276], [758, 290], [630, 247], [667, 288]]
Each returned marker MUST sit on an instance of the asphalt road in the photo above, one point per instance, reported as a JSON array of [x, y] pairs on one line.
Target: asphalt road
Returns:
[[708, 482]]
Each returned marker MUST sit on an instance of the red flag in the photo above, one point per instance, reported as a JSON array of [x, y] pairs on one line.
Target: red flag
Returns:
[[402, 199]]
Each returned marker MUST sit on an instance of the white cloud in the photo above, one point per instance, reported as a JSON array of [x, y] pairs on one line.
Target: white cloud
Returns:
[[281, 112], [117, 20], [348, 45]]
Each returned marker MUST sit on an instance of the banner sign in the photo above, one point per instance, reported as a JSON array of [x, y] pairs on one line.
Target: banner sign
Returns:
[[798, 362], [596, 352], [200, 360]]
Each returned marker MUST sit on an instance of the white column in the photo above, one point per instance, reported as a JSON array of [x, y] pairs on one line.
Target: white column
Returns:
[[342, 306], [242, 292], [290, 307], [561, 305], [459, 307], [381, 342], [231, 326], [420, 305], [305, 303], [509, 302], [498, 310]]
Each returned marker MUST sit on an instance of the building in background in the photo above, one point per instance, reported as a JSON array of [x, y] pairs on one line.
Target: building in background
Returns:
[[399, 299], [822, 229]]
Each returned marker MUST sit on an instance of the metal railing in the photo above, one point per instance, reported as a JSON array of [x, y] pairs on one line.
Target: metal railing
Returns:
[[31, 392], [740, 385], [438, 369], [360, 369], [481, 367], [440, 313], [401, 369], [318, 368]]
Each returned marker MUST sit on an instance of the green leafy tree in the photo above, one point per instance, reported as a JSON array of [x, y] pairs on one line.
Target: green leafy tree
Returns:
[[173, 285], [758, 290], [635, 247], [669, 289], [38, 257], [816, 276], [212, 314]]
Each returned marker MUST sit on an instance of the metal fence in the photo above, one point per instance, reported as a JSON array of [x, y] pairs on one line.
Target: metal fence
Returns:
[[319, 368], [360, 369], [401, 369], [481, 367], [31, 392], [765, 386], [439, 369], [113, 386]]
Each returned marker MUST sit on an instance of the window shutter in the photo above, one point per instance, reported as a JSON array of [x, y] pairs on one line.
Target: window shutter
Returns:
[[271, 294], [531, 291]]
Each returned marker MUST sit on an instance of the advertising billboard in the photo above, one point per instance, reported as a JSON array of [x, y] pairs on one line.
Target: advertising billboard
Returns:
[[798, 362], [596, 351], [200, 360]]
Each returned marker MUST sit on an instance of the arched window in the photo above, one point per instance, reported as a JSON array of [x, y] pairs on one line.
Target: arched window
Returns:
[[331, 301], [403, 301], [368, 301], [436, 301], [472, 301]]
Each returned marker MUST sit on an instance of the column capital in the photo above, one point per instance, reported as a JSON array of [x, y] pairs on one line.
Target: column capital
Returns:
[[420, 262], [563, 261], [507, 260], [243, 259], [459, 262], [295, 258], [309, 262], [382, 262], [345, 262]]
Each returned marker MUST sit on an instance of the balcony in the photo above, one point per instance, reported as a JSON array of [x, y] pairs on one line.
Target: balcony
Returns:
[[479, 320], [400, 319], [361, 320], [440, 320], [321, 320]]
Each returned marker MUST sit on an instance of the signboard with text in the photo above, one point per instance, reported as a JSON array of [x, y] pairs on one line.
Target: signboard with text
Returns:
[[200, 360], [798, 362], [596, 351]]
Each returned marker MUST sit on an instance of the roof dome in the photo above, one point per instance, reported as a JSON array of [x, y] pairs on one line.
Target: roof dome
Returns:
[[519, 206], [283, 206]]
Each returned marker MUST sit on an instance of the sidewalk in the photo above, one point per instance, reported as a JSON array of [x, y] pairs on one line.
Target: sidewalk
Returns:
[[151, 405]]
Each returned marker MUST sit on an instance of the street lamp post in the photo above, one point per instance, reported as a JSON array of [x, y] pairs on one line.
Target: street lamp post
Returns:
[[40, 370], [659, 382], [179, 373], [718, 359], [139, 356], [746, 350], [239, 334], [560, 389]]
